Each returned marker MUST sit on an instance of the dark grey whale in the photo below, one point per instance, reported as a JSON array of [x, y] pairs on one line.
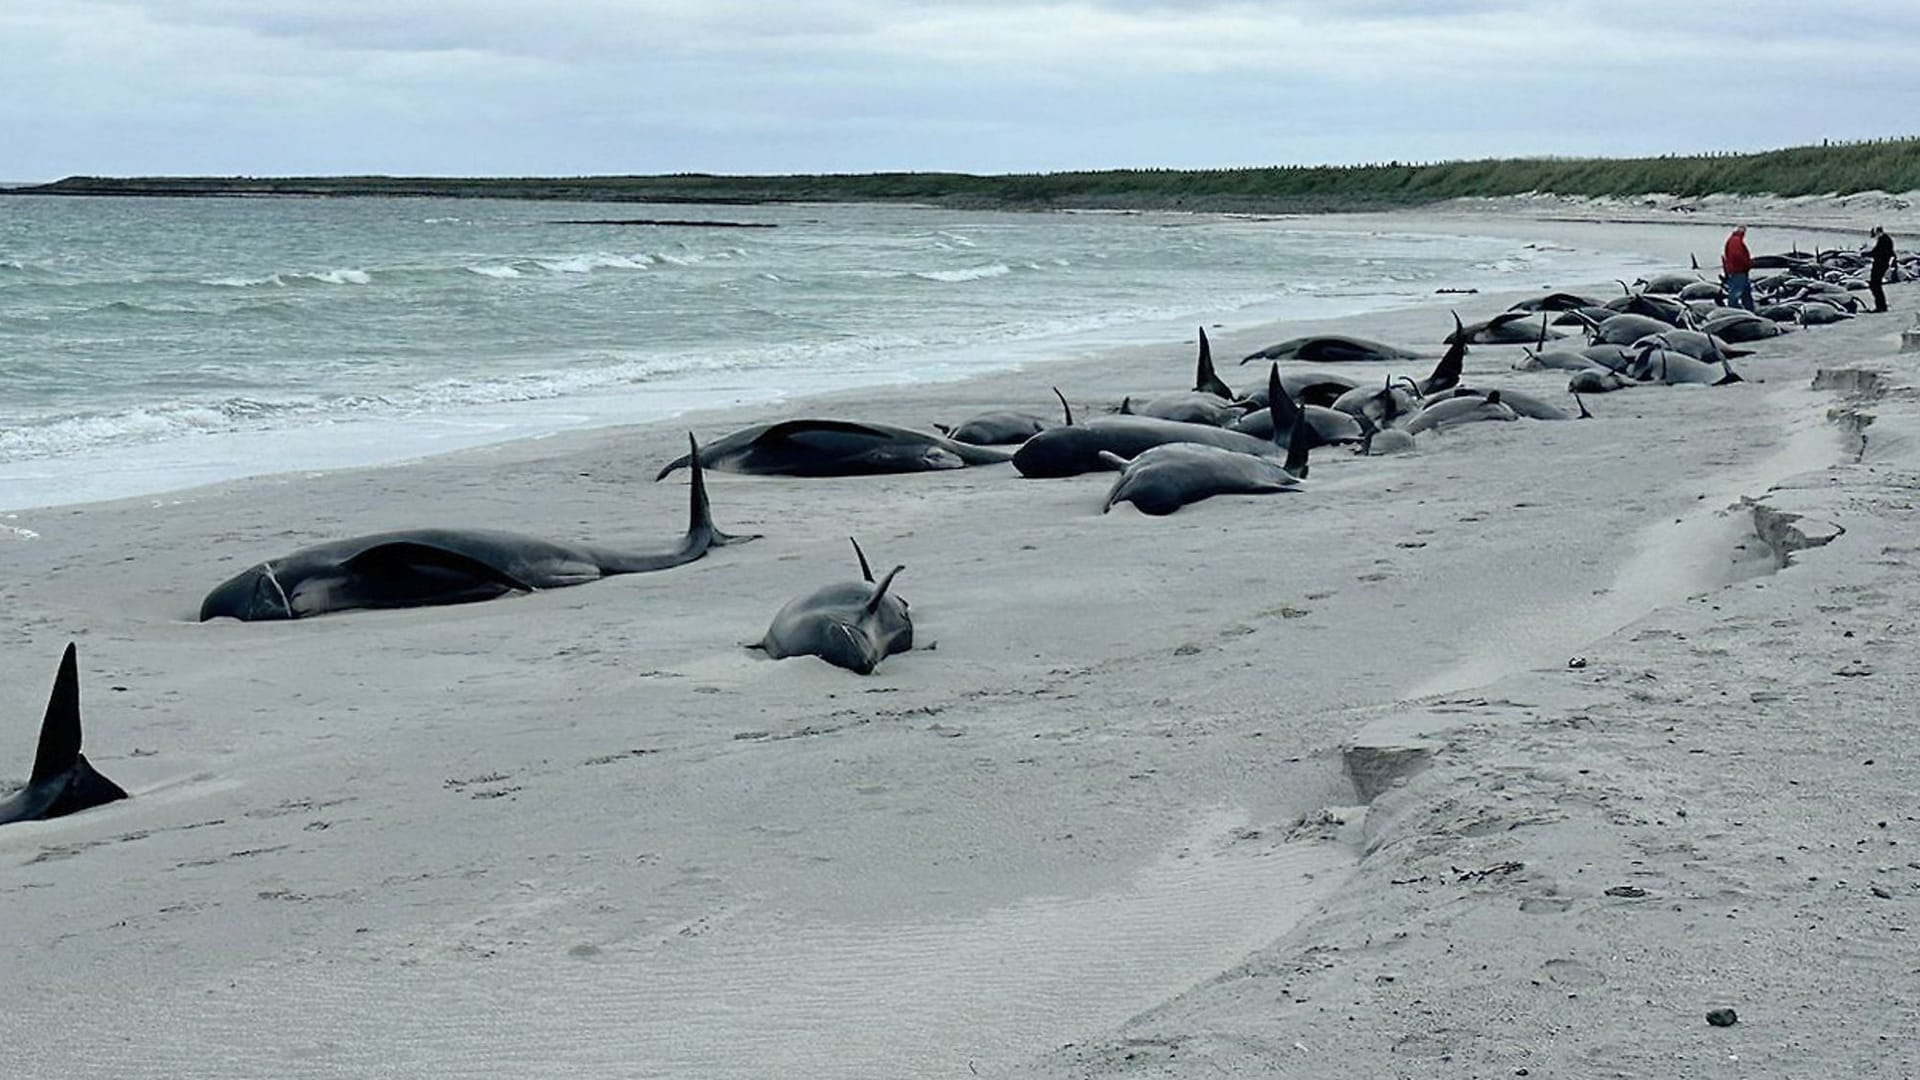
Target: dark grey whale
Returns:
[[62, 782], [1074, 449], [1162, 479], [815, 447], [1331, 349], [850, 624], [423, 567], [1002, 428]]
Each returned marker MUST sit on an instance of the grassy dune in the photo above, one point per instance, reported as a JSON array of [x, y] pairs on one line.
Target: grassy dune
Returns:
[[1884, 165]]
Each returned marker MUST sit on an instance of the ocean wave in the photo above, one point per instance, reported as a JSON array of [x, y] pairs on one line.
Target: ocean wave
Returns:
[[588, 263], [129, 307], [284, 279], [16, 272], [971, 273], [54, 436], [499, 270], [339, 277], [1506, 266]]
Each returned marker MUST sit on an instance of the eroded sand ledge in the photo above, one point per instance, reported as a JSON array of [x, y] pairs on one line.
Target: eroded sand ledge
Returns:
[[584, 832]]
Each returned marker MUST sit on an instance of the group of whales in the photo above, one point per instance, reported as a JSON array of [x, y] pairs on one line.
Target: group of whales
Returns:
[[1170, 450]]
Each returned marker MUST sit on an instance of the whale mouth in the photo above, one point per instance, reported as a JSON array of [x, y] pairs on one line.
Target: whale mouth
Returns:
[[846, 646]]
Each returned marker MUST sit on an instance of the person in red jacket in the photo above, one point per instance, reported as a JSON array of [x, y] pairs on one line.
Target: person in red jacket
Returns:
[[1736, 264]]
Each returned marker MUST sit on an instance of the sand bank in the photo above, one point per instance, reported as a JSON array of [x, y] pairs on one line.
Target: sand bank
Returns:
[[1112, 820]]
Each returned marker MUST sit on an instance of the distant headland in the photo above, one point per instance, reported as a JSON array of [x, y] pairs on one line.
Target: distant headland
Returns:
[[1891, 165]]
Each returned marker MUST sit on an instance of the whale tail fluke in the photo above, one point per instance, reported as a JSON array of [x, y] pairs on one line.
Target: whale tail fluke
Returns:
[[1446, 373], [699, 510], [680, 462]]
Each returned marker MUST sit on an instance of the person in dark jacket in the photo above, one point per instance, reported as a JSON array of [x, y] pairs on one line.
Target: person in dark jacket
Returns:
[[1882, 252], [1737, 265]]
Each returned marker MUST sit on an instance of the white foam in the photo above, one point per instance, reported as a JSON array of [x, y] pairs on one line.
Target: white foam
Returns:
[[972, 273]]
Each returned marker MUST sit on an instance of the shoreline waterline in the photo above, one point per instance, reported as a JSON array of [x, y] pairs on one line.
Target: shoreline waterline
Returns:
[[386, 434]]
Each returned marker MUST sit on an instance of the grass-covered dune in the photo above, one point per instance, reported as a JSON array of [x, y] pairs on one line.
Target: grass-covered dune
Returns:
[[1883, 165]]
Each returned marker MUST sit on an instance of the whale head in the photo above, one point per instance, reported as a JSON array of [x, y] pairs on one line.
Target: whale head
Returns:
[[253, 595]]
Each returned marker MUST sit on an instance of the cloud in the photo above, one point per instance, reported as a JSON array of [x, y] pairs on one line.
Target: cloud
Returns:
[[529, 86]]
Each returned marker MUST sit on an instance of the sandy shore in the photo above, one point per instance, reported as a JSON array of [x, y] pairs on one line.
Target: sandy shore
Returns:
[[1301, 784]]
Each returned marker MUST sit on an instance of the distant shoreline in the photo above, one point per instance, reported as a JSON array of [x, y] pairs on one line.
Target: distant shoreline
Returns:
[[1887, 165]]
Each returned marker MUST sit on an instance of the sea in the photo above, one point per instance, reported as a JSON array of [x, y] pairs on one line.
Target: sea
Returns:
[[149, 345]]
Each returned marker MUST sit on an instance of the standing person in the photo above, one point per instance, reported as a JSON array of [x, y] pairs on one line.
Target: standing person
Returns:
[[1737, 265], [1882, 252]]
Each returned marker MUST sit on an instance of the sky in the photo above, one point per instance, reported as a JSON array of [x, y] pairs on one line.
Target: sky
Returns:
[[584, 87]]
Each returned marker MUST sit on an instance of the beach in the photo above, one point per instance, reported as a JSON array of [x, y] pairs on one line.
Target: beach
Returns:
[[1514, 755]]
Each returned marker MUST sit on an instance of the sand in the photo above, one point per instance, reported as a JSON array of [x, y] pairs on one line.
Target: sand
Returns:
[[1512, 756]]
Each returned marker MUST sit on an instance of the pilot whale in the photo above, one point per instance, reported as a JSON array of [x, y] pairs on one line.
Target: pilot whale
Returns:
[[423, 567], [851, 624], [825, 447]]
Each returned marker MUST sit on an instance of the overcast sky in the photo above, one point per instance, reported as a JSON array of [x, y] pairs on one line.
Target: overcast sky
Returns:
[[568, 87]]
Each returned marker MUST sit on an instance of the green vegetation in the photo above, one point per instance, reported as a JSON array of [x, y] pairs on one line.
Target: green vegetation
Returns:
[[1885, 165]]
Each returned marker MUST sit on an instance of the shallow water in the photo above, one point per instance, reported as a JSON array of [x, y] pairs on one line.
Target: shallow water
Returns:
[[152, 344]]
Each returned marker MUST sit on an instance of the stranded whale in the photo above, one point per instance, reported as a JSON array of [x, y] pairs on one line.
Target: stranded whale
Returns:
[[423, 567], [851, 624], [812, 447]]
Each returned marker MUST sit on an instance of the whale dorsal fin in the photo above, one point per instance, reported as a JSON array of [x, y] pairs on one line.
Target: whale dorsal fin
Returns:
[[866, 571], [60, 730], [880, 590], [1300, 443], [1065, 409], [1204, 379], [58, 762], [1281, 406]]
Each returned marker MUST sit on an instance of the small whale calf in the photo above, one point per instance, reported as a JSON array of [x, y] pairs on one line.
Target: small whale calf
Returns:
[[850, 624], [1000, 428], [63, 782]]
